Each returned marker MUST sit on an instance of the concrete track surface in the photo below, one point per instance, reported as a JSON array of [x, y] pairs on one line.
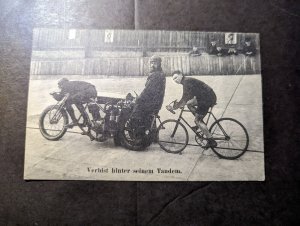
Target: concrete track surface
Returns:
[[75, 157]]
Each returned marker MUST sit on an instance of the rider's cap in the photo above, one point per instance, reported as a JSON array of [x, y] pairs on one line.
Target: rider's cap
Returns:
[[155, 58], [62, 81]]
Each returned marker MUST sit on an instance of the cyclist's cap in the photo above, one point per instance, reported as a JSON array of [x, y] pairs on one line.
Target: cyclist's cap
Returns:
[[155, 58], [62, 81]]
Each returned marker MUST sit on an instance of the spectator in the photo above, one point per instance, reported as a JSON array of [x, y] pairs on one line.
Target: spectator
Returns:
[[232, 51], [195, 51], [212, 48], [249, 48], [221, 51]]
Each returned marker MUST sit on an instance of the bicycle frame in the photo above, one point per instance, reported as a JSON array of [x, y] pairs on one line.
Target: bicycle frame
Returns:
[[61, 104], [56, 117], [210, 115]]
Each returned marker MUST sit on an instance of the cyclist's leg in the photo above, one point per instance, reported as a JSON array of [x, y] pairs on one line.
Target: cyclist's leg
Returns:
[[201, 112], [80, 107], [70, 111], [192, 105], [79, 100], [93, 108], [199, 122]]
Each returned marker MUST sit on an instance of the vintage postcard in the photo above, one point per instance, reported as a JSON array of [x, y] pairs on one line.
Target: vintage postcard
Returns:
[[139, 105]]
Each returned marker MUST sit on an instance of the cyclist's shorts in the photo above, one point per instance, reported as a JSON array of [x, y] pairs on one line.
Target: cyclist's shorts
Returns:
[[201, 110], [202, 107]]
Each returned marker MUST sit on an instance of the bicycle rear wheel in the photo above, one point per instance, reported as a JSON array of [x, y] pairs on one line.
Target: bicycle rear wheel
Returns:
[[172, 136], [231, 136]]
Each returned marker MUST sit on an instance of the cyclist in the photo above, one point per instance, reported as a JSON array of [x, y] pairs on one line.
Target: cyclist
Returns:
[[80, 93], [199, 97]]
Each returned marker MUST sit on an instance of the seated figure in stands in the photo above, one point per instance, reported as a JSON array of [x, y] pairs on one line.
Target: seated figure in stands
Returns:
[[195, 51], [249, 48], [212, 48]]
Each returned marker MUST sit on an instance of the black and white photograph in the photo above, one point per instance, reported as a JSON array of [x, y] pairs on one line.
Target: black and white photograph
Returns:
[[144, 105]]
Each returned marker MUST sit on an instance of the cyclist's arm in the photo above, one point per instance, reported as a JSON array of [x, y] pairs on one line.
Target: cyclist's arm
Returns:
[[186, 96], [192, 101]]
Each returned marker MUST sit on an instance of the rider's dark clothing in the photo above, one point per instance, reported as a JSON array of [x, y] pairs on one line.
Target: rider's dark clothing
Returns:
[[204, 94], [151, 99], [80, 93]]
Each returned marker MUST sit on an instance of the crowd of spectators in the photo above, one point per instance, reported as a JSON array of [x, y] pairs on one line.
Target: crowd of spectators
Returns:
[[248, 48]]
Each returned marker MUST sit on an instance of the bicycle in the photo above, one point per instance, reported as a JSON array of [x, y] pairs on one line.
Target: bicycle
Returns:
[[231, 136]]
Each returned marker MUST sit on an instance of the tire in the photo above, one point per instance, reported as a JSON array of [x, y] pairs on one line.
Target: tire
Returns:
[[128, 139], [55, 130], [235, 144], [165, 139]]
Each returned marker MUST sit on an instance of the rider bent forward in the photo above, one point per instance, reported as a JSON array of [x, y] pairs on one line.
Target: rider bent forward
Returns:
[[80, 92], [199, 97]]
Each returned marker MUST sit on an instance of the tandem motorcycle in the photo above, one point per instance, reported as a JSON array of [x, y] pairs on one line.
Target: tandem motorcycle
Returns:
[[171, 135], [114, 123]]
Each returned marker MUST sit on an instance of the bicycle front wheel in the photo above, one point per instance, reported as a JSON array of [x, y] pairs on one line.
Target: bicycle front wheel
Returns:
[[52, 123], [231, 136], [172, 136]]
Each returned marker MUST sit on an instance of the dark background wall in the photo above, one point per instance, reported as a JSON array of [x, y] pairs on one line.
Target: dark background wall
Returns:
[[273, 202]]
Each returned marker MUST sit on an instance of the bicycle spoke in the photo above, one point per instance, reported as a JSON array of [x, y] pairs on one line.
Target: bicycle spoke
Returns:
[[235, 142], [172, 136]]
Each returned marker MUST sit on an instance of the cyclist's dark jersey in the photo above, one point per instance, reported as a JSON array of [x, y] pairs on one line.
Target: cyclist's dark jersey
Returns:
[[75, 87], [79, 91], [194, 87]]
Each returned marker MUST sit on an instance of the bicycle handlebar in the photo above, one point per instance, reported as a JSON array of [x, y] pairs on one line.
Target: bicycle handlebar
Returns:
[[170, 110]]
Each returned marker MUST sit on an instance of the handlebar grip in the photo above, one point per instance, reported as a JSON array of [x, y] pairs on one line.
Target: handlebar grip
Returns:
[[170, 110]]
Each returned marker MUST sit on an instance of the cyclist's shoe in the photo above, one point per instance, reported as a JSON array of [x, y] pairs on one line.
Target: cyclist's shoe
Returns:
[[71, 125], [211, 143], [88, 134]]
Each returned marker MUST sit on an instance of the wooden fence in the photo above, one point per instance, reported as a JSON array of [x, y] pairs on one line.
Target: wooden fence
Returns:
[[139, 66], [150, 40]]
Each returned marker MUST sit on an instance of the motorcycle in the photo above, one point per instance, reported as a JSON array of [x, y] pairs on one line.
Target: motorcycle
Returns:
[[115, 122]]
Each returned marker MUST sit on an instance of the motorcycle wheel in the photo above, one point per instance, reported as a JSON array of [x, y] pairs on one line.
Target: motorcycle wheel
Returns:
[[128, 138], [53, 129]]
